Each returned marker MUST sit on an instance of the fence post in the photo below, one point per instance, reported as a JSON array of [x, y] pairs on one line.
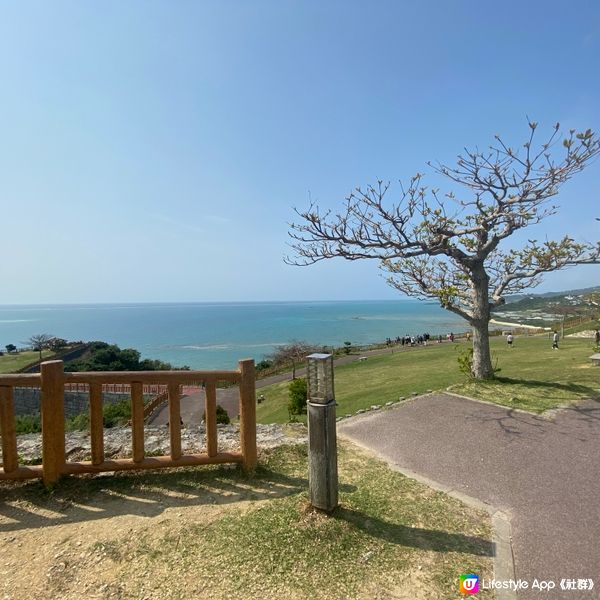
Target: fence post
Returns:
[[248, 413], [10, 459], [53, 420]]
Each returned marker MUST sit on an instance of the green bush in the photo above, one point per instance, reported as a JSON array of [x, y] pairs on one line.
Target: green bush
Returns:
[[264, 364], [222, 416], [297, 396], [28, 424], [117, 413], [78, 422], [465, 362], [114, 415]]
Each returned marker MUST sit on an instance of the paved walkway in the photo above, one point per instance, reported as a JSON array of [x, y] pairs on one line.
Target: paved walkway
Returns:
[[544, 473], [192, 406]]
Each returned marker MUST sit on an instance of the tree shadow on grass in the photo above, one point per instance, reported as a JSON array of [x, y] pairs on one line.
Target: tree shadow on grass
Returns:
[[518, 423], [574, 388], [416, 537]]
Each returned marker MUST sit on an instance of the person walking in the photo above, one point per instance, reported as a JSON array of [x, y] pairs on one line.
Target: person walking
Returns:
[[597, 336], [509, 340], [555, 340]]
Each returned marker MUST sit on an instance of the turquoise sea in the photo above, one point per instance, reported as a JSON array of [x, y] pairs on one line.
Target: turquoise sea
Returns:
[[217, 335]]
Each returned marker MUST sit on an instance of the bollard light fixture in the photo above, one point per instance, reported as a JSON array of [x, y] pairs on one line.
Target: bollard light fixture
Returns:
[[322, 441], [320, 378]]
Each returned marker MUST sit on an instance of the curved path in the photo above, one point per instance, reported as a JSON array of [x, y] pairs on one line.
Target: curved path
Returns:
[[543, 472]]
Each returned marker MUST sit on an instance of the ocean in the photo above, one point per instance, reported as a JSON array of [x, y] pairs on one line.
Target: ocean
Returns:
[[217, 335]]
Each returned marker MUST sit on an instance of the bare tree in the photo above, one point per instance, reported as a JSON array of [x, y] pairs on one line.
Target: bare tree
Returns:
[[295, 353], [448, 246], [39, 342]]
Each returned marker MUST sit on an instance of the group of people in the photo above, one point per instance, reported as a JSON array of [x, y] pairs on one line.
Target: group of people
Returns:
[[422, 339], [418, 340]]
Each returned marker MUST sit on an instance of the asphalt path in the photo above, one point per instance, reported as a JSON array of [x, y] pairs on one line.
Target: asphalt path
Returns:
[[544, 472]]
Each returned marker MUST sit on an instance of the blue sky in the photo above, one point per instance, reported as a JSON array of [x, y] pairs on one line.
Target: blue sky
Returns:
[[153, 151]]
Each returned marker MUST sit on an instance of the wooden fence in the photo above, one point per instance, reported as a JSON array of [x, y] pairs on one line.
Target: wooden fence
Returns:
[[52, 380]]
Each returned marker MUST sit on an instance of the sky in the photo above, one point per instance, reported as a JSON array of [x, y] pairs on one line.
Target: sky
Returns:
[[153, 151]]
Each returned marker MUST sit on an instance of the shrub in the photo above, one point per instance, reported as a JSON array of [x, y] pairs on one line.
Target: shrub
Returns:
[[78, 422], [222, 416], [114, 414], [465, 362], [117, 413], [264, 364], [297, 396], [28, 424]]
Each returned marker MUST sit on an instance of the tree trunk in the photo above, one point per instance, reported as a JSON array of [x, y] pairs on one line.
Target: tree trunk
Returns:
[[482, 360]]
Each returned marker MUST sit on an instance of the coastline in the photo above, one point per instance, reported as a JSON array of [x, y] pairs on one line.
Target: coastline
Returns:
[[519, 325], [215, 336]]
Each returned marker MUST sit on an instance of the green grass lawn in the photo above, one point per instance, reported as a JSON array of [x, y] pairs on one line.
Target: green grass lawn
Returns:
[[9, 363], [532, 377]]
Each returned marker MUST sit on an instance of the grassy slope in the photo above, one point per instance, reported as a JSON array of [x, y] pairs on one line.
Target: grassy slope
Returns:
[[9, 363], [586, 326], [532, 376]]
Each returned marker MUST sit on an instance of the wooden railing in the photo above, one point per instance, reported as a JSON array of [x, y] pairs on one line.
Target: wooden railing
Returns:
[[155, 403], [52, 380]]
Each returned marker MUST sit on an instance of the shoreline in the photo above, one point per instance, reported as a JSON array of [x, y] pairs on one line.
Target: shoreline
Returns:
[[519, 325]]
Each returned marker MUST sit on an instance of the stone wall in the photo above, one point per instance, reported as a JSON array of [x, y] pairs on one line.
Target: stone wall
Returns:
[[27, 401]]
